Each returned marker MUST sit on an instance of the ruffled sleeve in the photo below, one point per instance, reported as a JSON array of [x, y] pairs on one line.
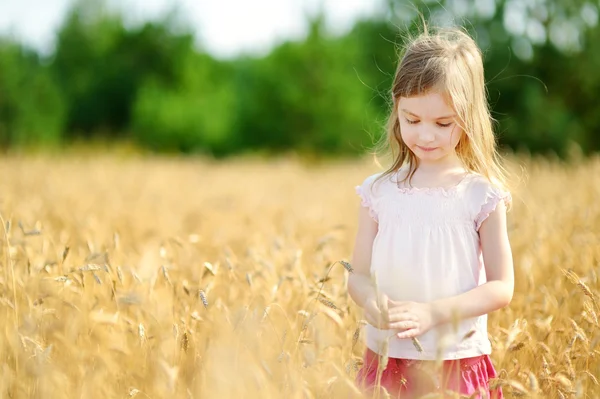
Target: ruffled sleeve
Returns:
[[366, 194], [490, 198]]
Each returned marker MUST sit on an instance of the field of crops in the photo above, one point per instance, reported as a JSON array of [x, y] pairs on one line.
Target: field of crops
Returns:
[[170, 278]]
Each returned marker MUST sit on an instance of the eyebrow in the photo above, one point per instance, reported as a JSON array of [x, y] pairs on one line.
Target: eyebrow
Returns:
[[417, 116]]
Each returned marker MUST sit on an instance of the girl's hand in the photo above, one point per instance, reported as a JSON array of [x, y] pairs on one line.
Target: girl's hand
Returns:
[[376, 311], [410, 318]]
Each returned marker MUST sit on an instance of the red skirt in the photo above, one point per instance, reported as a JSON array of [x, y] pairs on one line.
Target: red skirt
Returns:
[[406, 378]]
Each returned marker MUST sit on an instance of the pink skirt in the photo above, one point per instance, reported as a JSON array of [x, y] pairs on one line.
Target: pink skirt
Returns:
[[405, 378]]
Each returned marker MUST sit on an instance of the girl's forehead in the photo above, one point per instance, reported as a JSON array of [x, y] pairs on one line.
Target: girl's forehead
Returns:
[[427, 105]]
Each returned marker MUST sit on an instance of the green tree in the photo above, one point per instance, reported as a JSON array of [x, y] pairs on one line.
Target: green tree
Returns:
[[31, 107], [101, 66], [195, 115], [306, 96]]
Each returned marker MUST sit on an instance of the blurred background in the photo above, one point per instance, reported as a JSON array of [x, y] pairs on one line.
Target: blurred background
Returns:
[[160, 273], [224, 78]]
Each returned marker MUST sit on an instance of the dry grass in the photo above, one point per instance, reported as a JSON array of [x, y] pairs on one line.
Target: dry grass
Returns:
[[170, 278]]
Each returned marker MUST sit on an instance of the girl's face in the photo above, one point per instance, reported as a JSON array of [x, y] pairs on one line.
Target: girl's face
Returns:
[[428, 126]]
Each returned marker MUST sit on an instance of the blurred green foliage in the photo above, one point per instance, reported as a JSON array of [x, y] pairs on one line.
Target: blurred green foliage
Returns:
[[327, 94], [32, 109]]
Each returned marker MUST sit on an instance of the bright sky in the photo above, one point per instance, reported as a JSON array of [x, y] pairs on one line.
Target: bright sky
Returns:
[[224, 27]]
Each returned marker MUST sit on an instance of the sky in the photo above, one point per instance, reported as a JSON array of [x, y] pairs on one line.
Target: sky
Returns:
[[225, 28]]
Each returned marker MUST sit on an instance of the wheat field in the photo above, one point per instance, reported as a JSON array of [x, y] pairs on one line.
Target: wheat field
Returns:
[[130, 276]]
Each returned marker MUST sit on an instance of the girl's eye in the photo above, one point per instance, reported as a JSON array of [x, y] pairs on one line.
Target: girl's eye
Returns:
[[411, 122], [444, 124]]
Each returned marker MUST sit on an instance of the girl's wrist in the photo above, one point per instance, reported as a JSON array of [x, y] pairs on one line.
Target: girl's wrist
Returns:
[[438, 313], [371, 298], [361, 290]]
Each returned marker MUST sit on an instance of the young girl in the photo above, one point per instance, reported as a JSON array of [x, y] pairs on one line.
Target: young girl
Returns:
[[432, 257]]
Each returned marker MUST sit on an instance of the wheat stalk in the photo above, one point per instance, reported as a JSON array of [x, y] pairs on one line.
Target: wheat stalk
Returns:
[[9, 263]]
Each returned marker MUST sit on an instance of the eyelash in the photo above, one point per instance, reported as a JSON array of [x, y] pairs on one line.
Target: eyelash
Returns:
[[439, 124]]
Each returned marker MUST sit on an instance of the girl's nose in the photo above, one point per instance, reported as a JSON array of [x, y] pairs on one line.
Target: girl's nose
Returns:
[[425, 134]]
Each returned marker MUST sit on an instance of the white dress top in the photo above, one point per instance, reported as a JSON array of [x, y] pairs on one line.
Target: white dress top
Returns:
[[427, 247]]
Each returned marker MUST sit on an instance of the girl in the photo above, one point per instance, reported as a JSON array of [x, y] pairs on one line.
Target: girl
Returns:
[[432, 256]]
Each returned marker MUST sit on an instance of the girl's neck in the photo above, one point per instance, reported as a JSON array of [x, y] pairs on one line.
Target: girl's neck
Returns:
[[446, 166], [445, 174]]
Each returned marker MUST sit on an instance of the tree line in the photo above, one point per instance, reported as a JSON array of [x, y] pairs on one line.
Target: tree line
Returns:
[[151, 84]]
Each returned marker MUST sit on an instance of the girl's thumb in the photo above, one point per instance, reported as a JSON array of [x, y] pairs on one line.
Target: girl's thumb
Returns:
[[383, 304]]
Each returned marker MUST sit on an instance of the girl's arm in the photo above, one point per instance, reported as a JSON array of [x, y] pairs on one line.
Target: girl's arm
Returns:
[[360, 287], [497, 292]]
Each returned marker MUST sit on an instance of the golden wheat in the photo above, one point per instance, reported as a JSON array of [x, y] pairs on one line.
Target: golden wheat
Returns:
[[168, 277]]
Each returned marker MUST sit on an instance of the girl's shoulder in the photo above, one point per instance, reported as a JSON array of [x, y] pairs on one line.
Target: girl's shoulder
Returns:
[[478, 185], [482, 196], [375, 185], [371, 189]]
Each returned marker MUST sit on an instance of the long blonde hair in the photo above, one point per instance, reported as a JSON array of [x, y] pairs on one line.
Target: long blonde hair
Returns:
[[450, 62]]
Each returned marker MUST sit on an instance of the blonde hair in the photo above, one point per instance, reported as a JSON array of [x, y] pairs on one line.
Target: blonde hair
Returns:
[[449, 62]]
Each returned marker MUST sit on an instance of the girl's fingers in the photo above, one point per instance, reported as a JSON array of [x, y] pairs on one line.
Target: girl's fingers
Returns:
[[396, 317], [398, 309], [404, 325], [377, 321], [411, 333]]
